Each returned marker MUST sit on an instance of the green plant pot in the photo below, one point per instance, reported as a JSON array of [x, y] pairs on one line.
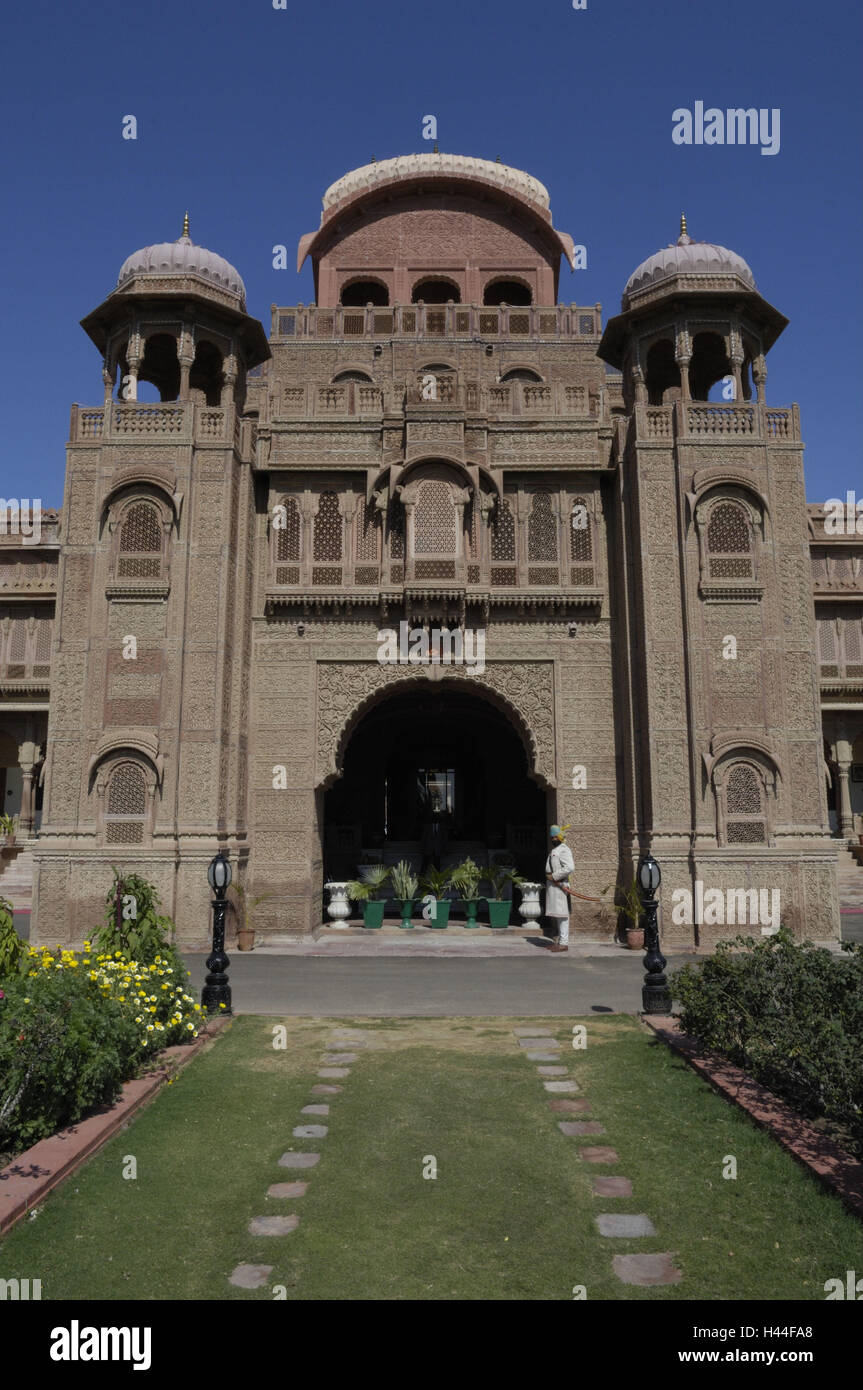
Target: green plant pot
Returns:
[[441, 913], [373, 912], [471, 905], [406, 906], [498, 911]]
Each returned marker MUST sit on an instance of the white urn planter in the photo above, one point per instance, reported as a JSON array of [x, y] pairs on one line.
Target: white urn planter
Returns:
[[338, 908], [529, 908]]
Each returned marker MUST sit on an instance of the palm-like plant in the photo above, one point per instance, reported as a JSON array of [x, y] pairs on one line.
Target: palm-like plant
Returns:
[[436, 881], [629, 903], [404, 880], [499, 875], [370, 885], [466, 878]]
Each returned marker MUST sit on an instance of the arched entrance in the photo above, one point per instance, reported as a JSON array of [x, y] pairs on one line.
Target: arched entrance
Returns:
[[434, 774]]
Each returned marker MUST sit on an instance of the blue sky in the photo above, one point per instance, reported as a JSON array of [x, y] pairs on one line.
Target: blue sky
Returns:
[[245, 115]]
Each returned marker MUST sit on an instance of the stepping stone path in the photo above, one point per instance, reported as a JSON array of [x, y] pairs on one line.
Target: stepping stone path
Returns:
[[248, 1276], [642, 1270], [273, 1225], [616, 1224]]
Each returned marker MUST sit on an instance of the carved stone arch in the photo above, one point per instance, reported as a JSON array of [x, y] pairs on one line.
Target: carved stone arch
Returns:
[[521, 371], [523, 691], [352, 371], [139, 483], [134, 743], [729, 495], [706, 480], [742, 770]]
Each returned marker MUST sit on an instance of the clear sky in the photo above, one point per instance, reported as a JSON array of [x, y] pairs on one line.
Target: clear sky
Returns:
[[247, 113]]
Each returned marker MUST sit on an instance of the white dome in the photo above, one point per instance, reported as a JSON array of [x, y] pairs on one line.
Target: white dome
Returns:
[[182, 257], [459, 165], [687, 257]]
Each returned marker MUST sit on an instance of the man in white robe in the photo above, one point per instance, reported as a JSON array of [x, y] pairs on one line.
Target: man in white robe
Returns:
[[558, 867]]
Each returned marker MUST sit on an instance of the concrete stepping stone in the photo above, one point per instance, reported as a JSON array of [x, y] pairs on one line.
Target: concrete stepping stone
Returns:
[[532, 1032], [339, 1058], [599, 1154], [552, 1071], [309, 1131], [646, 1269], [543, 1056], [326, 1090], [288, 1189], [573, 1128], [538, 1042], [292, 1160], [250, 1276], [569, 1107], [559, 1087], [274, 1225], [612, 1187], [334, 1071], [617, 1224], [315, 1110]]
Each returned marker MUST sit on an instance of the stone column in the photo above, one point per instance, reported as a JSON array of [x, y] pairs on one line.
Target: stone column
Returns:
[[843, 768], [28, 755]]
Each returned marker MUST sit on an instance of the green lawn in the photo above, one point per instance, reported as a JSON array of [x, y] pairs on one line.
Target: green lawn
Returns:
[[509, 1216]]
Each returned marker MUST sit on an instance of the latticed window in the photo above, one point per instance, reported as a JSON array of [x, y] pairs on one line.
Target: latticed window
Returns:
[[744, 807], [126, 805], [140, 548], [367, 532], [852, 632], [286, 527], [729, 542], [503, 532], [328, 528], [582, 546], [396, 531], [434, 519], [827, 647], [541, 529]]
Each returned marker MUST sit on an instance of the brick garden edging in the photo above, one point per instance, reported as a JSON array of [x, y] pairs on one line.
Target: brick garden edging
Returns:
[[33, 1174], [825, 1160]]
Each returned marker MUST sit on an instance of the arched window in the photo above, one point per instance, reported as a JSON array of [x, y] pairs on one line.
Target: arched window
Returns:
[[436, 291], [437, 382], [506, 292], [352, 375], [581, 540], [434, 519], [521, 374], [730, 542], [286, 530], [542, 529], [206, 373], [362, 292], [328, 528], [125, 805], [139, 551], [710, 362], [662, 374], [745, 814], [160, 365]]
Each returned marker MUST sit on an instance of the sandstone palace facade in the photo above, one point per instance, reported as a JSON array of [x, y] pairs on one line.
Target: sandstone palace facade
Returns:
[[436, 441]]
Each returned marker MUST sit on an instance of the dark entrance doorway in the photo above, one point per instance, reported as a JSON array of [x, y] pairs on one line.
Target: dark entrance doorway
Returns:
[[432, 776]]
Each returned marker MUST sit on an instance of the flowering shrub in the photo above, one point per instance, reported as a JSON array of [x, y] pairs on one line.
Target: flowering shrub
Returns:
[[74, 1027]]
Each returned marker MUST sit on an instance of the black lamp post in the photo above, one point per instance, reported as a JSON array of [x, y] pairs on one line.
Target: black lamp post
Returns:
[[655, 994], [216, 989]]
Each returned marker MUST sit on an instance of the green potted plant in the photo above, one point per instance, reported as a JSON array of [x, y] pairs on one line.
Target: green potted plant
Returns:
[[244, 909], [368, 892], [498, 876], [630, 907], [465, 879], [437, 882], [7, 829], [405, 884]]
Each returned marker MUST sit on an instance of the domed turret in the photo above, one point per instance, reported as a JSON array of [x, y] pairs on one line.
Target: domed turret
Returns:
[[714, 266], [182, 259]]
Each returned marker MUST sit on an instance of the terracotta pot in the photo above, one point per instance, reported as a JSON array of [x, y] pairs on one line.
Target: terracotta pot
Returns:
[[245, 938], [635, 938]]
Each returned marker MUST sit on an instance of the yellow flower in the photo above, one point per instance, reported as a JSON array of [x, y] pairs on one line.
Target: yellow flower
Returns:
[[150, 1028], [27, 999]]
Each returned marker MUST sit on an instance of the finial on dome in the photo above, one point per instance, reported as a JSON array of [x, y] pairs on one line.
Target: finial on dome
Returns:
[[683, 224], [435, 150], [498, 160], [185, 224], [374, 161], [684, 239]]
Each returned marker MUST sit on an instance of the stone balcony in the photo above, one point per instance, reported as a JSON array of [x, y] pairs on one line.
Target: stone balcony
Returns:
[[519, 323], [715, 423], [526, 400], [177, 422]]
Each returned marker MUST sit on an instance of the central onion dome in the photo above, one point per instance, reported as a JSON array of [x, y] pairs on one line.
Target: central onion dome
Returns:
[[688, 258], [182, 259], [436, 165]]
